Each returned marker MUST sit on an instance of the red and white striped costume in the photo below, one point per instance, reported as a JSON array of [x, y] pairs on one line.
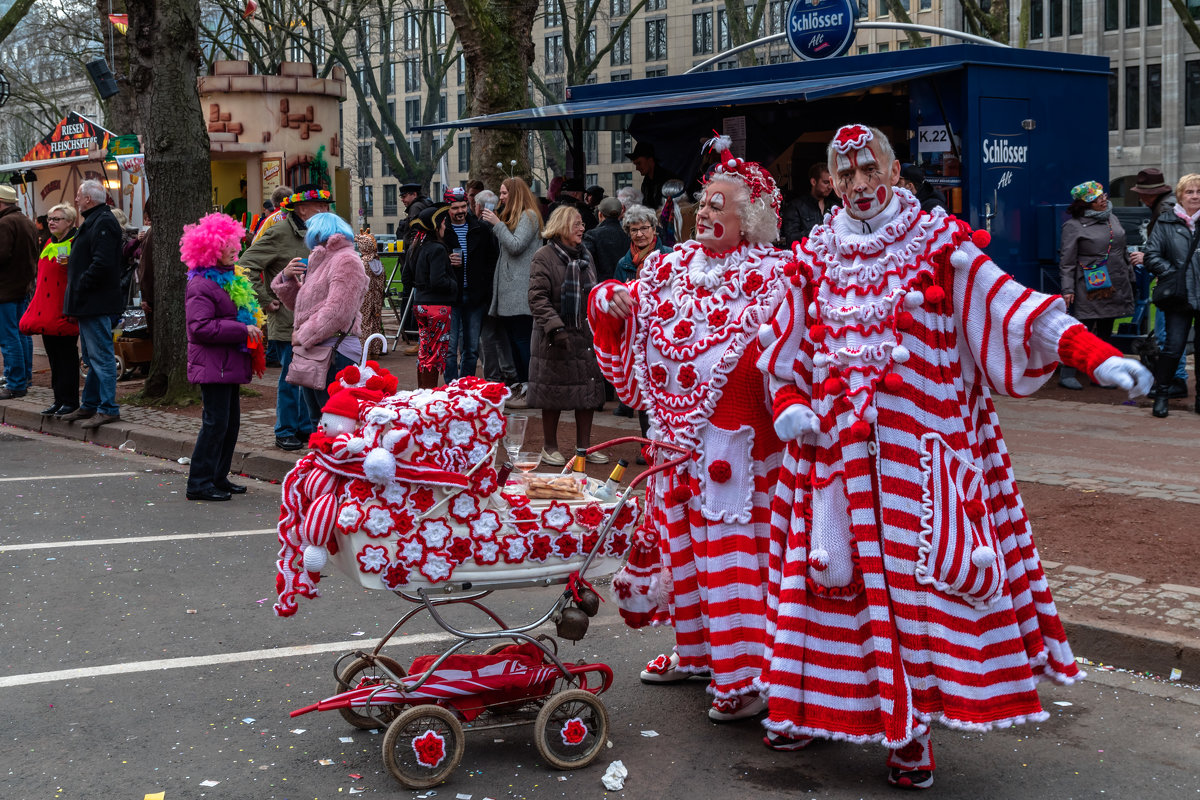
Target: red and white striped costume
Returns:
[[687, 357], [911, 589]]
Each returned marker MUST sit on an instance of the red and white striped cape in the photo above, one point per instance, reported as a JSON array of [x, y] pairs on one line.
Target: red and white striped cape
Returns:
[[687, 356], [911, 589]]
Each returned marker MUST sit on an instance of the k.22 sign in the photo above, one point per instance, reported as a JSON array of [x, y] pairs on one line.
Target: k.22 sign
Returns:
[[821, 28]]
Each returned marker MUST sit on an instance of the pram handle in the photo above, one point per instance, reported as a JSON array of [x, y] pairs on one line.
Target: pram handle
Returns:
[[666, 465]]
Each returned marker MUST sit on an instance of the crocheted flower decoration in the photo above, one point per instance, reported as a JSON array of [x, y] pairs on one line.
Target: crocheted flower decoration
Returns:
[[430, 749], [395, 577], [686, 376], [372, 558], [684, 329], [573, 731]]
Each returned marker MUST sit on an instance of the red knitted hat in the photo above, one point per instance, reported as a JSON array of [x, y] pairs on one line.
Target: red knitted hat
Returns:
[[757, 179], [343, 404]]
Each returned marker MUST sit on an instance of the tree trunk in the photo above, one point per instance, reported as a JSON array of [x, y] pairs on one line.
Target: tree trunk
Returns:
[[497, 43], [15, 13], [1185, 17], [901, 15], [122, 111], [165, 57]]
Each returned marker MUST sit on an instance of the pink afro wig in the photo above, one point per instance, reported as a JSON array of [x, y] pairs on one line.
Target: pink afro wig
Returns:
[[203, 242]]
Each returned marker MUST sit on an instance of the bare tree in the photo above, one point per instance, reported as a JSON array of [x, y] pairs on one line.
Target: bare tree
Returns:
[[1186, 19], [900, 13], [989, 18], [165, 58], [16, 12]]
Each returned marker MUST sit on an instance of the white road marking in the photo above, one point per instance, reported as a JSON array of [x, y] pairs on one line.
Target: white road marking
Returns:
[[66, 477], [205, 661], [5, 548]]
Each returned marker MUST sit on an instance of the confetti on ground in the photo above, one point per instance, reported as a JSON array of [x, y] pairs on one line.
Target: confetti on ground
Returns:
[[359, 633], [325, 762], [298, 731], [248, 720], [356, 776], [156, 796], [209, 783], [353, 790], [346, 739], [649, 734], [1062, 703], [461, 796]]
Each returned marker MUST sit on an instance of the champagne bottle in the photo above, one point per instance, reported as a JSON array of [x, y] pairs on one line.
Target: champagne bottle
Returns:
[[579, 468], [502, 475], [608, 491]]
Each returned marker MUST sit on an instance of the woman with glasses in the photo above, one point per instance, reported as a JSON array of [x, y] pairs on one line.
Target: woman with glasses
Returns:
[[563, 372], [60, 334], [1097, 279], [641, 224]]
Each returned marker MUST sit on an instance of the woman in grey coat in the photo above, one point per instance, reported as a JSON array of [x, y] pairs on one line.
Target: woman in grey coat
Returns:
[[1167, 256], [1097, 278], [563, 372]]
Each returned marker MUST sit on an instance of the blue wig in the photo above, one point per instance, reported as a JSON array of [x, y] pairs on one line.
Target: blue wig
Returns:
[[324, 225]]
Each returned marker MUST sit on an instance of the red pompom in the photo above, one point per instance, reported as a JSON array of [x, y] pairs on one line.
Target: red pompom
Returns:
[[904, 320], [391, 384], [278, 584], [350, 374], [893, 382], [790, 268], [935, 294], [860, 430], [981, 239], [681, 494], [796, 280], [832, 385], [974, 509], [817, 332], [373, 364], [376, 383], [720, 471]]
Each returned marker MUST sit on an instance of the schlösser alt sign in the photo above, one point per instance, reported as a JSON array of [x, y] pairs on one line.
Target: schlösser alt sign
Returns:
[[821, 28]]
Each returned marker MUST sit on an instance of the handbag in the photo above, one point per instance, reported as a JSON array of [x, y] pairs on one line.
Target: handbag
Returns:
[[1170, 289], [1096, 280], [310, 365]]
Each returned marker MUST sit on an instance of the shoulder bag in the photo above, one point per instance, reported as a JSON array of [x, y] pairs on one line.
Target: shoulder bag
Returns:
[[310, 365], [1170, 290]]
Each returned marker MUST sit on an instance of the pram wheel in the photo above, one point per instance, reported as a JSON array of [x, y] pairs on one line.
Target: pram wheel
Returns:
[[571, 729], [352, 675], [423, 746]]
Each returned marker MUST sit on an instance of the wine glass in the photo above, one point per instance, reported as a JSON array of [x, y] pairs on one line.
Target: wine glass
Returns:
[[514, 436], [526, 461]]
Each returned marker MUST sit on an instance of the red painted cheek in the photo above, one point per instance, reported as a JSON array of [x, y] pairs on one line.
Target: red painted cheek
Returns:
[[881, 194], [718, 230], [845, 200]]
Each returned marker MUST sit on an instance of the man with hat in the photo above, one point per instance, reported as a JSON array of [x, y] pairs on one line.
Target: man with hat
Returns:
[[1156, 195], [414, 203], [264, 259], [18, 262], [474, 261], [654, 175]]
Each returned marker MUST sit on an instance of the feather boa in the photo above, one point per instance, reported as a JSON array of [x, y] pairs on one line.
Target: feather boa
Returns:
[[237, 285]]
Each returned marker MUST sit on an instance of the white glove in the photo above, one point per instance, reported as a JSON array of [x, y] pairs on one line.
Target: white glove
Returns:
[[1125, 373], [795, 421]]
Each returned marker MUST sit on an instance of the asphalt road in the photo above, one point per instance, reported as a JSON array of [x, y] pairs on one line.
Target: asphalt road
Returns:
[[111, 688]]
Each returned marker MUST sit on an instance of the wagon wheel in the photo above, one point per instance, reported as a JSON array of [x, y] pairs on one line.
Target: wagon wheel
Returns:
[[354, 672], [571, 729], [422, 746], [120, 367]]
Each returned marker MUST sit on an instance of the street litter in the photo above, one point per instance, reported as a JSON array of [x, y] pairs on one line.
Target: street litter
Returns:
[[209, 783], [155, 796], [649, 734], [614, 777], [346, 739], [1176, 674], [192, 611], [299, 730], [325, 762], [461, 796], [1062, 703], [183, 460], [248, 720], [356, 776]]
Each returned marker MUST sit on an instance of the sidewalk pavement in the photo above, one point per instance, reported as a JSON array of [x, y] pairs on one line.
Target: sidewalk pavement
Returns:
[[1111, 618]]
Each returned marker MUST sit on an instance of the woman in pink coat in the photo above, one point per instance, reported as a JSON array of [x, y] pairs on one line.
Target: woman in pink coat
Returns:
[[325, 292]]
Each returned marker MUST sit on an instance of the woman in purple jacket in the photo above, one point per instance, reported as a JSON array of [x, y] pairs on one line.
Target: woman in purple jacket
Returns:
[[225, 343]]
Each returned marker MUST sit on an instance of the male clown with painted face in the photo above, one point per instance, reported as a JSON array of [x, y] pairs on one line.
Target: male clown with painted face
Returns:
[[680, 342], [911, 590]]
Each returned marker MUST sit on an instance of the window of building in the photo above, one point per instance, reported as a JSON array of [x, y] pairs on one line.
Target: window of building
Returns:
[[389, 200], [884, 47], [462, 105], [621, 180], [1154, 95], [441, 110], [320, 48], [414, 147], [1114, 100], [1194, 7], [366, 199], [460, 68], [556, 89], [412, 32], [365, 151], [777, 13], [464, 154], [1075, 17], [364, 130], [387, 78], [364, 35], [656, 39], [412, 113], [412, 75], [864, 9], [1133, 98], [1154, 12], [863, 49], [702, 33], [1133, 13], [1191, 93], [439, 27], [622, 46], [926, 5], [620, 76], [297, 49], [1112, 14], [553, 17], [591, 147], [656, 72], [618, 8], [1037, 19], [656, 5], [883, 9], [391, 229], [1056, 18], [554, 54], [723, 38]]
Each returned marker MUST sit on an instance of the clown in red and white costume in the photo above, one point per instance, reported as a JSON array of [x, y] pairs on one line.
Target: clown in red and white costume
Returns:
[[911, 589], [680, 342]]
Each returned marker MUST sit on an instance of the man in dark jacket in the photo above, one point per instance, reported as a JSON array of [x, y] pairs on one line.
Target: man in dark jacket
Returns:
[[1151, 188], [18, 263], [607, 242], [571, 194], [802, 214], [654, 175], [94, 297], [912, 178], [415, 202], [475, 259]]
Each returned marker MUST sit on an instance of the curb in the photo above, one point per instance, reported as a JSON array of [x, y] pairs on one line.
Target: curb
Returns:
[[253, 462], [1106, 642]]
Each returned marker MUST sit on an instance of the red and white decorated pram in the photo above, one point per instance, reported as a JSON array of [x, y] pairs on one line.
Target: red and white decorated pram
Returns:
[[399, 491]]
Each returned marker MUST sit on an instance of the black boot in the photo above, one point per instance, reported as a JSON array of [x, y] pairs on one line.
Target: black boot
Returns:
[[1160, 404]]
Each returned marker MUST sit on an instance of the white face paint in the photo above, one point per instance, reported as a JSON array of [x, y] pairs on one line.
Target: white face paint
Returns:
[[718, 226], [334, 424], [864, 185]]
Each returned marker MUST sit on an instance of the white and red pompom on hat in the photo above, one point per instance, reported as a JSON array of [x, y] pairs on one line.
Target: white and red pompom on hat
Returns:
[[851, 137], [758, 181]]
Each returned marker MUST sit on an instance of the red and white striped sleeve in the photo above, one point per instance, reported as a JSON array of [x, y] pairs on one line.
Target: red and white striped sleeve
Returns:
[[1010, 334], [613, 339], [783, 359]]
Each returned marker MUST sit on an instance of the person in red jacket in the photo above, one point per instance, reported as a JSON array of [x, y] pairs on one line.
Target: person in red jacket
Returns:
[[60, 334]]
